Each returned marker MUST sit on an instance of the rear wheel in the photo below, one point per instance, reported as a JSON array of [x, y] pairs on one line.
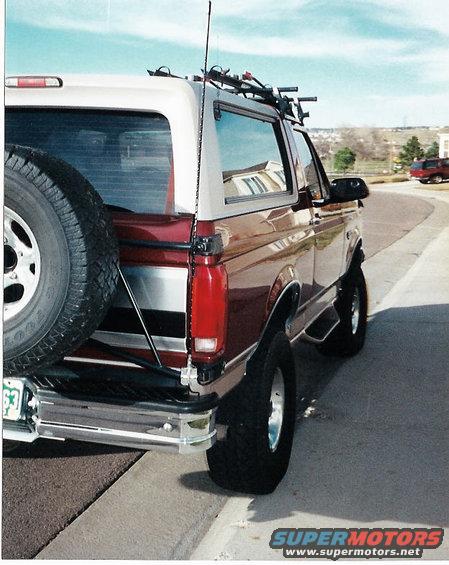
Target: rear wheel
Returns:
[[348, 337], [436, 179], [61, 260], [259, 416]]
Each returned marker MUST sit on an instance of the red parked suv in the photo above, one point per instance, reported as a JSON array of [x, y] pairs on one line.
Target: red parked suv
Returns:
[[152, 298], [430, 170]]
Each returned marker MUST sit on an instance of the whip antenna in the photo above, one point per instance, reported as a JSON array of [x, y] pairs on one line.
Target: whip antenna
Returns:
[[201, 123], [193, 232]]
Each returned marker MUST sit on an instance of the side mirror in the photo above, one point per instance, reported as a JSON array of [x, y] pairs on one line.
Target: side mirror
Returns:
[[347, 189]]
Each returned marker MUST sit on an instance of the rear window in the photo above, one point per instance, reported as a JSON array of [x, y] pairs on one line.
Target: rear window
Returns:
[[416, 166], [127, 157]]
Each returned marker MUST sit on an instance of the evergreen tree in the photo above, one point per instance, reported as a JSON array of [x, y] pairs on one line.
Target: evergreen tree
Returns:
[[344, 159], [433, 150], [410, 151]]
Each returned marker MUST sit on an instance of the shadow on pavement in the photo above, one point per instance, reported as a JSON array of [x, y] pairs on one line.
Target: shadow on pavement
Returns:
[[43, 449], [378, 448]]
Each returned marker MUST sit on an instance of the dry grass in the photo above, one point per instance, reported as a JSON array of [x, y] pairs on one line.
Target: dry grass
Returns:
[[385, 179]]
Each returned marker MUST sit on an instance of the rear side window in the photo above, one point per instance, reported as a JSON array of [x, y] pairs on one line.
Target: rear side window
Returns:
[[127, 157], [253, 164], [431, 164]]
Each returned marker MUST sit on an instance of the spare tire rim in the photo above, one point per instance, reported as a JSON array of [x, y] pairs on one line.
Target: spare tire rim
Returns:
[[277, 402], [355, 311], [22, 264]]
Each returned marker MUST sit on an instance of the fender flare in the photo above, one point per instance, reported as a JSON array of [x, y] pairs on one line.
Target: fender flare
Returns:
[[356, 258], [284, 308]]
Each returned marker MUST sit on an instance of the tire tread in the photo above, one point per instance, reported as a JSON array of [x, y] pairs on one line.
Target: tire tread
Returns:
[[93, 251]]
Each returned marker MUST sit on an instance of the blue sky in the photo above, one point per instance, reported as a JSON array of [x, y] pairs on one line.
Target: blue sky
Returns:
[[370, 62]]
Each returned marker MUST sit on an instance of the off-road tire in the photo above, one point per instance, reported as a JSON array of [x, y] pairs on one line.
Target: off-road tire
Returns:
[[242, 461], [346, 341], [78, 258]]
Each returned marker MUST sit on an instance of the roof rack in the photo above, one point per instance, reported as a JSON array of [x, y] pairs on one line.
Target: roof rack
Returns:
[[249, 85]]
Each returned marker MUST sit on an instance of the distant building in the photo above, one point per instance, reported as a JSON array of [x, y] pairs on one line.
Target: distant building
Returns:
[[444, 144]]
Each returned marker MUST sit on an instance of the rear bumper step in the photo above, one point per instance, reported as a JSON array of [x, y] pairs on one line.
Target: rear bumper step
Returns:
[[69, 407]]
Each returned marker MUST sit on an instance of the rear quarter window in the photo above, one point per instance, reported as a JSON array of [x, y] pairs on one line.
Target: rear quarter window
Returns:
[[253, 162], [127, 157]]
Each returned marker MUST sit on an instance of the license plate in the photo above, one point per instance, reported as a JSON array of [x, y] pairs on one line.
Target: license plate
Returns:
[[12, 399]]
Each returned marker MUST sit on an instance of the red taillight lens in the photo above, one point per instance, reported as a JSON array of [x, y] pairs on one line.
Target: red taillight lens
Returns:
[[209, 310]]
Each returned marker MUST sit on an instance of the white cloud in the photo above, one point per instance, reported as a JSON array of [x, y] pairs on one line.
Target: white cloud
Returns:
[[382, 111], [431, 64], [422, 14], [184, 22]]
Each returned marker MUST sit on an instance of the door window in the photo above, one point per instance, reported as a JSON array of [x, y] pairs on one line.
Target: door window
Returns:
[[308, 166]]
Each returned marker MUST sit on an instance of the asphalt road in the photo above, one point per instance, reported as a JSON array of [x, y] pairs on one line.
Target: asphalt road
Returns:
[[48, 484]]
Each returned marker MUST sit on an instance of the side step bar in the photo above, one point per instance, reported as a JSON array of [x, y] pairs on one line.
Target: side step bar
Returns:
[[322, 326]]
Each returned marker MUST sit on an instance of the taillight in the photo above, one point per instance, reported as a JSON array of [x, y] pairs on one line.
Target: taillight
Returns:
[[209, 310], [33, 82]]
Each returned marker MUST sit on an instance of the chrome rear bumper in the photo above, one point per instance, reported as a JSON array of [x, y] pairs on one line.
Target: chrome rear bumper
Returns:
[[183, 426]]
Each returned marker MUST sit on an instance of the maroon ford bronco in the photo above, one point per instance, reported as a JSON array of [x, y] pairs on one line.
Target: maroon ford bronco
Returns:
[[166, 244]]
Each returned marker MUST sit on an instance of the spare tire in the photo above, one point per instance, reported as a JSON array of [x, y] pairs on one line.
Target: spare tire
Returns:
[[60, 260]]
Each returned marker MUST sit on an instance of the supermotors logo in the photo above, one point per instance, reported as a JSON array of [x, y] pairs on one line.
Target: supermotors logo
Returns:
[[365, 543]]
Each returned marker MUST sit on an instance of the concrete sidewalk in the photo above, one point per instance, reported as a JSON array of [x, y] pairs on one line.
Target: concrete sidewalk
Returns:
[[376, 452]]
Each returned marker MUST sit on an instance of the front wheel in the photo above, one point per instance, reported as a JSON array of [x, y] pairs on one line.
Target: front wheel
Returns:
[[436, 179], [259, 416], [348, 337]]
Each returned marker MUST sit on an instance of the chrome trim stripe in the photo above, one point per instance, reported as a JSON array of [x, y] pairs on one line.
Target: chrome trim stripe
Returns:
[[233, 374], [156, 288], [102, 362], [241, 356], [138, 341]]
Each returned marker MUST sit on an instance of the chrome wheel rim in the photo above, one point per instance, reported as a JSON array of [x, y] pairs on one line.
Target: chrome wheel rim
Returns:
[[355, 311], [437, 179], [277, 403], [22, 264]]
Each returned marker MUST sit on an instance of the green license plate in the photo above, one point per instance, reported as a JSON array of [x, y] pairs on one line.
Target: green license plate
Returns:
[[12, 399]]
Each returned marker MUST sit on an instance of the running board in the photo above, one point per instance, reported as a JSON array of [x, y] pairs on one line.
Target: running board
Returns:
[[322, 326]]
